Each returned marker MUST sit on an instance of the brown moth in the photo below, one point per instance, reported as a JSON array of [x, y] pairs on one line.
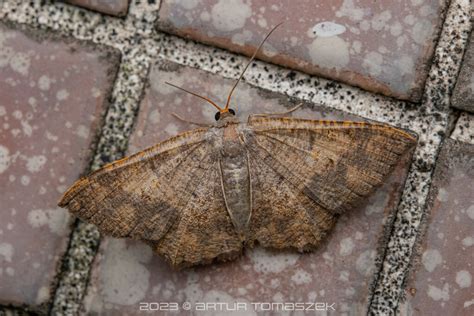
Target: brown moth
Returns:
[[205, 194]]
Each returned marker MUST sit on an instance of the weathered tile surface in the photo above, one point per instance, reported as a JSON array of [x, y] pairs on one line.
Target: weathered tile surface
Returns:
[[463, 94], [441, 282], [52, 97], [383, 46], [112, 7], [126, 272]]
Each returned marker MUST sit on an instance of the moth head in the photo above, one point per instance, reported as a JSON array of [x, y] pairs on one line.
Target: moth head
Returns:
[[221, 115]]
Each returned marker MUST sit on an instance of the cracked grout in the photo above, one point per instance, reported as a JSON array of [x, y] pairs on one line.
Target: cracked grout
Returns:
[[141, 45]]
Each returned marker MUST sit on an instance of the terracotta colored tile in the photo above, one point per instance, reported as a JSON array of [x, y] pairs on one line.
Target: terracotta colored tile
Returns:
[[52, 95], [112, 7], [383, 46], [463, 94], [126, 272], [441, 283]]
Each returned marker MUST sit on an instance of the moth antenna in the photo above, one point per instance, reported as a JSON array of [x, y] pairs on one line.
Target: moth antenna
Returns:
[[248, 64], [197, 95]]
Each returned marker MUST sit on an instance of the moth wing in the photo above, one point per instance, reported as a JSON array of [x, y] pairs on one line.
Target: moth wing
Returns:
[[161, 191], [320, 168]]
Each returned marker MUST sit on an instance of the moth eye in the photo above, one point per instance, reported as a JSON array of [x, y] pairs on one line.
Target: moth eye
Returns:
[[217, 116], [231, 111]]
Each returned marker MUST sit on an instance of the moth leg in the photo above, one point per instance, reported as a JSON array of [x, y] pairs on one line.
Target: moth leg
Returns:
[[190, 122]]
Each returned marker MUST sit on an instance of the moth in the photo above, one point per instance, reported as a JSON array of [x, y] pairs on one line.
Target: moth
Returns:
[[206, 194]]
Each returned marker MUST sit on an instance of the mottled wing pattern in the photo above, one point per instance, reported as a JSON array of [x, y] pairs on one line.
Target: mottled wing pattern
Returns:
[[307, 172], [205, 231], [160, 195]]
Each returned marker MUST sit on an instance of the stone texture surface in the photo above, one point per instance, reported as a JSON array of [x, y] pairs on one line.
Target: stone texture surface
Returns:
[[463, 94], [441, 281], [112, 7], [126, 272], [464, 128], [382, 46], [53, 94]]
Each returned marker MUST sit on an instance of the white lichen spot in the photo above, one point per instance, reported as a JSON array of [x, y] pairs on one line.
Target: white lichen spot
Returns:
[[357, 46], [379, 21], [468, 241], [443, 195], [421, 31], [348, 9], [44, 82], [205, 16], [124, 277], [4, 159], [171, 129], [43, 295], [326, 29], [396, 29], [6, 251], [416, 2], [265, 261], [470, 212], [56, 219], [95, 92], [350, 291], [242, 38], [346, 246], [365, 264], [187, 4], [3, 111], [301, 277], [344, 276], [373, 62], [82, 131], [405, 64], [329, 52], [35, 163], [25, 180], [262, 22], [431, 258], [439, 294], [463, 279], [154, 116], [62, 95], [10, 271], [20, 63], [230, 15]]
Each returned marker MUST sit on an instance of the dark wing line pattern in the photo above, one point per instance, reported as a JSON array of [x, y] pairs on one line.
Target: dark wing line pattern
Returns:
[[339, 162], [283, 217], [205, 230]]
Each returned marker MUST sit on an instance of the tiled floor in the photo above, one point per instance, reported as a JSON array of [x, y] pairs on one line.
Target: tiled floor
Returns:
[[463, 95], [260, 276], [54, 92], [383, 47], [45, 144], [441, 281]]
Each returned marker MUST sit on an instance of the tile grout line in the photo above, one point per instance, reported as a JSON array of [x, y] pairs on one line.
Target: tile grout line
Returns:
[[445, 67], [95, 27]]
